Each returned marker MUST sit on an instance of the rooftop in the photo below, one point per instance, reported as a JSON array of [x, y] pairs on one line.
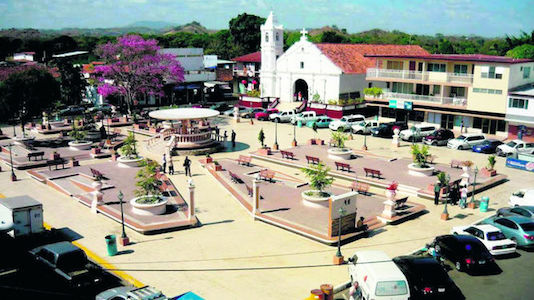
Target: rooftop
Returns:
[[251, 57], [457, 57], [524, 90]]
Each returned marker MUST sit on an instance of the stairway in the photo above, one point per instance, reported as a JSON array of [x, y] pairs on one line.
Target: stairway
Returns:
[[288, 105]]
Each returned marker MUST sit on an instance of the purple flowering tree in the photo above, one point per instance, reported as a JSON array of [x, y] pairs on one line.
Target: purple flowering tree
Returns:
[[134, 68]]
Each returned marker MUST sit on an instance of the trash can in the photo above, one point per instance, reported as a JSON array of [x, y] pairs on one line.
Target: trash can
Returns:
[[299, 124], [484, 202], [111, 244]]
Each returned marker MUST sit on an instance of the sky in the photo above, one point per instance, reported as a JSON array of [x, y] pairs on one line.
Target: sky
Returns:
[[459, 17]]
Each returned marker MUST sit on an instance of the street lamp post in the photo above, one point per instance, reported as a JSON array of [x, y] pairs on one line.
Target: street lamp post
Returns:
[[13, 176], [294, 134], [413, 134], [275, 136], [124, 238], [14, 132], [472, 202], [338, 253], [364, 142]]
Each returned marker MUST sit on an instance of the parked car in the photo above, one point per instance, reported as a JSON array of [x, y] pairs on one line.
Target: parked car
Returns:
[[104, 108], [378, 276], [522, 197], [322, 122], [515, 146], [72, 110], [417, 132], [465, 251], [427, 278], [346, 122], [264, 115], [131, 293], [488, 146], [439, 137], [517, 228], [304, 117], [251, 112], [365, 127], [525, 211], [466, 141], [230, 112], [490, 236], [221, 107], [283, 116], [67, 262], [386, 129]]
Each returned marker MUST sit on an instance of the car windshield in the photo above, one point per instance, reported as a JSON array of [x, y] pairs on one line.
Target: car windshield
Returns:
[[495, 236], [432, 273], [362, 124], [511, 144], [527, 226], [473, 249], [461, 137], [72, 261], [391, 288], [383, 125]]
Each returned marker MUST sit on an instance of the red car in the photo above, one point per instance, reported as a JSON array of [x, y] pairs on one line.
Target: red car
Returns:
[[264, 115]]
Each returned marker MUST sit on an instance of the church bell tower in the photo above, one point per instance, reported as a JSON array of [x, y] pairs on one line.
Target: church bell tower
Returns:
[[272, 46]]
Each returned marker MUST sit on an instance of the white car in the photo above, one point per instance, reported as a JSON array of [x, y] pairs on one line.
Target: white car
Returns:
[[283, 116], [417, 132], [346, 122], [365, 127], [304, 117], [466, 141], [515, 146], [523, 197], [490, 236]]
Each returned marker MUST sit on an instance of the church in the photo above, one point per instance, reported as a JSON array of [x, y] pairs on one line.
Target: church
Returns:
[[318, 71]]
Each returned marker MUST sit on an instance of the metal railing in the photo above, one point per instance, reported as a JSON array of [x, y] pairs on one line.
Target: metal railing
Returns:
[[420, 76], [459, 101]]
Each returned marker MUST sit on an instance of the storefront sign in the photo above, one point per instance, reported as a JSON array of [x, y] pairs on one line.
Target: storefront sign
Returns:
[[401, 104], [520, 164]]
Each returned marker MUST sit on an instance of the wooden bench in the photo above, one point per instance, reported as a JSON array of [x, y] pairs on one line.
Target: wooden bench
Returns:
[[400, 202], [234, 177], [55, 163], [287, 154], [267, 174], [360, 187], [374, 173], [96, 173], [342, 166], [36, 154], [244, 160], [313, 160], [456, 163]]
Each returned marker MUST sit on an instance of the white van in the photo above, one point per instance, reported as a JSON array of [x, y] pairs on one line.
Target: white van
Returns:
[[378, 276]]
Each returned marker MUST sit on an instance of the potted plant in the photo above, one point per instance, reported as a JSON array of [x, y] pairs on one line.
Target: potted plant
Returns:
[[148, 200], [391, 190], [264, 150], [319, 181], [444, 180], [316, 140], [79, 143], [129, 156], [209, 159], [339, 152], [216, 166], [420, 166], [489, 170]]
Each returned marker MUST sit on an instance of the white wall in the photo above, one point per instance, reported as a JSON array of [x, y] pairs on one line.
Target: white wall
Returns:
[[516, 75]]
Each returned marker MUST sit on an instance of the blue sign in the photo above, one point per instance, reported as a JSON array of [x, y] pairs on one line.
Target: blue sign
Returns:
[[520, 164], [393, 103], [408, 105]]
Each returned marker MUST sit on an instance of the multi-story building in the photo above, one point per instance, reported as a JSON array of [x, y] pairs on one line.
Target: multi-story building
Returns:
[[520, 111], [246, 72], [452, 91]]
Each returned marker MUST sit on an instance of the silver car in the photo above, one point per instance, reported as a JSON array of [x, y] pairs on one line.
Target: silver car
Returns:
[[525, 211]]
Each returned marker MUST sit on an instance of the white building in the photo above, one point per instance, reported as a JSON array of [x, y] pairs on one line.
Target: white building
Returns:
[[331, 71], [23, 56]]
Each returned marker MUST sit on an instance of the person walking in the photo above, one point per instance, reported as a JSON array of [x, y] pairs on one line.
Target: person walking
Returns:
[[171, 167], [217, 133], [354, 292], [187, 166], [164, 162], [437, 189], [233, 138], [463, 196], [225, 136]]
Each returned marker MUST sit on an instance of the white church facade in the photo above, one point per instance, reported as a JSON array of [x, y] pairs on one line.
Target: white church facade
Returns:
[[330, 71]]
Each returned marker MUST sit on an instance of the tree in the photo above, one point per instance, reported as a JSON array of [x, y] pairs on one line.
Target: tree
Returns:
[[445, 47], [245, 30], [523, 51], [27, 93], [318, 176], [333, 37], [135, 68], [72, 83]]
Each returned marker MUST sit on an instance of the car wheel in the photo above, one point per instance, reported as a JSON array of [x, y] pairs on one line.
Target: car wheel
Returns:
[[434, 143], [359, 132], [458, 266], [277, 120]]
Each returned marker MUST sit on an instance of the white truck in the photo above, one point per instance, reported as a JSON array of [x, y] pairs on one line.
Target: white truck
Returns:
[[283, 116], [304, 117], [365, 127], [515, 146], [21, 216], [346, 122]]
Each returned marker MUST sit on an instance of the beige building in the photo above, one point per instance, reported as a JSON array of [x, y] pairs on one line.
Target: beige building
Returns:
[[449, 90]]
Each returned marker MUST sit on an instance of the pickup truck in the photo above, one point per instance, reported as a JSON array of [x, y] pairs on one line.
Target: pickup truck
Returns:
[[515, 146], [283, 116], [67, 263], [364, 127], [304, 117]]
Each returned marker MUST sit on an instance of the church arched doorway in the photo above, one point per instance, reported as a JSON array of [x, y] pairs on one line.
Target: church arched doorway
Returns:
[[300, 90]]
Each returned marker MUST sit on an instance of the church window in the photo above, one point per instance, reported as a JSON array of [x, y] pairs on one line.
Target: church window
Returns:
[[370, 85], [277, 36], [266, 37], [302, 65]]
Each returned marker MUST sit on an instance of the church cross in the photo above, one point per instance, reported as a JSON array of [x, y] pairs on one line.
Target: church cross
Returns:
[[303, 32]]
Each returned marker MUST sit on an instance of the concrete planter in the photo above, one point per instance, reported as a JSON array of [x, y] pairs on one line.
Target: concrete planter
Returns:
[[488, 173], [149, 209], [126, 162], [215, 167], [93, 135], [80, 145], [264, 151], [21, 140], [414, 170], [315, 201], [315, 142], [339, 153]]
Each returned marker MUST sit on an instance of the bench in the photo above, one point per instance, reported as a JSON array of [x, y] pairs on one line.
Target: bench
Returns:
[[267, 174], [287, 154], [36, 154], [244, 160], [250, 191], [361, 188], [400, 202], [374, 173], [55, 163], [313, 160], [96, 174], [456, 163], [342, 166], [234, 177]]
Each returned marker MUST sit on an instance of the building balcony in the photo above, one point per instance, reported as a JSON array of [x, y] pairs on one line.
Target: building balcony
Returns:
[[422, 99], [419, 77]]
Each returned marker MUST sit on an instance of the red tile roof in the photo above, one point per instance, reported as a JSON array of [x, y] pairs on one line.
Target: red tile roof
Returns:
[[352, 58], [461, 57], [251, 57]]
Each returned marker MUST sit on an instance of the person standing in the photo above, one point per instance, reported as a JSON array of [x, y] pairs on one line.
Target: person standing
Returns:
[[164, 162], [437, 189], [233, 138], [455, 194], [354, 291], [171, 167], [462, 127], [187, 166], [463, 196], [225, 136], [217, 133]]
